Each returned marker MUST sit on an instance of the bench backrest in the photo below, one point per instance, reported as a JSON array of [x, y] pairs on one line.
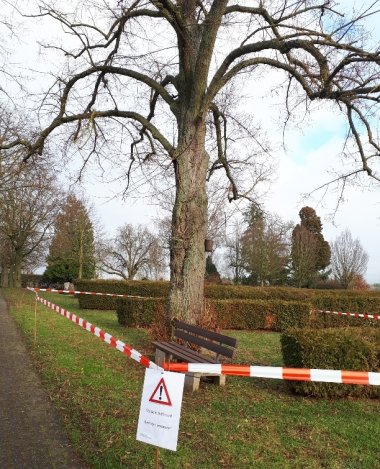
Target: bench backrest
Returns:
[[218, 343]]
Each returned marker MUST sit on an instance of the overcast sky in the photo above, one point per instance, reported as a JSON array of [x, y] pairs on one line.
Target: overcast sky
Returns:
[[302, 167]]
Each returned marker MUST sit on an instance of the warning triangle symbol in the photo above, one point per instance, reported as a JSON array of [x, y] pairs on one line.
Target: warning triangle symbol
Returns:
[[160, 394]]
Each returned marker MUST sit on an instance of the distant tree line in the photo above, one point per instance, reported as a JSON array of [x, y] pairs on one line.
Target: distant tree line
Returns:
[[265, 250], [40, 224], [30, 199]]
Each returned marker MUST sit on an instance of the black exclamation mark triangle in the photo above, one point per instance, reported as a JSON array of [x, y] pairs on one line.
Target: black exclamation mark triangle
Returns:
[[160, 394]]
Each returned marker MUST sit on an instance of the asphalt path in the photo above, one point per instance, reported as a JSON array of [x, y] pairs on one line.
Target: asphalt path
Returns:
[[31, 434]]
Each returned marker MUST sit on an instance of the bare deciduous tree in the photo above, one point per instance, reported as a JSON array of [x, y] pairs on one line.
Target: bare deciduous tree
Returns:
[[8, 33], [11, 160], [349, 260], [28, 208], [129, 252], [159, 72], [5, 259], [234, 252], [156, 267]]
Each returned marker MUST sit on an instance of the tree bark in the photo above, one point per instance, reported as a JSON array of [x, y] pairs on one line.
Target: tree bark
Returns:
[[11, 274], [189, 221], [15, 271], [80, 269], [4, 279], [189, 226]]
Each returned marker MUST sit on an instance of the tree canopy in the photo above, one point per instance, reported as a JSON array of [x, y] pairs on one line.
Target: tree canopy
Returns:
[[30, 198], [265, 248], [134, 250], [71, 252], [311, 253], [349, 260]]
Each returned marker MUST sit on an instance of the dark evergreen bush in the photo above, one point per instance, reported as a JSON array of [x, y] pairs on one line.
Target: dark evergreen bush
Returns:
[[351, 349]]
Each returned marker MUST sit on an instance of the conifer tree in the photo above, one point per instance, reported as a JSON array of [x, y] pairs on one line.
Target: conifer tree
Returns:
[[265, 247], [311, 253], [71, 253], [211, 275]]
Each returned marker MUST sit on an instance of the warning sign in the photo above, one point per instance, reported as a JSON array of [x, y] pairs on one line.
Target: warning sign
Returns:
[[160, 409], [160, 394]]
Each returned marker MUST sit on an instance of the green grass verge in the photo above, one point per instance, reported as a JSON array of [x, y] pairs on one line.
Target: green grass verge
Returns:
[[249, 423]]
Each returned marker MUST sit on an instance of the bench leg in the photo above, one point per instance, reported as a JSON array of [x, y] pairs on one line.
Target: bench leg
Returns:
[[192, 382], [220, 380], [160, 357]]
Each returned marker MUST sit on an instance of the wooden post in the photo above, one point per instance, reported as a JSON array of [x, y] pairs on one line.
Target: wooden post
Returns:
[[35, 320], [157, 456]]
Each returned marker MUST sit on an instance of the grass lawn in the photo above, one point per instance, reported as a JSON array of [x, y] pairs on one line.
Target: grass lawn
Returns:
[[249, 423]]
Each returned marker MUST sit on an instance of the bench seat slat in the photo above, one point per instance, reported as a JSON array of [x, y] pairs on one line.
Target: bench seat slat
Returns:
[[217, 348], [223, 339], [179, 351]]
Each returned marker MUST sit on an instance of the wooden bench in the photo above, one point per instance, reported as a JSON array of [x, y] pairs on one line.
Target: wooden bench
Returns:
[[219, 344]]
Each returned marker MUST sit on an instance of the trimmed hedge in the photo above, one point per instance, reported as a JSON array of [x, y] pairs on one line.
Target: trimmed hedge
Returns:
[[144, 288], [320, 320], [344, 301], [350, 349], [231, 314], [229, 292], [245, 307], [132, 312], [275, 315], [348, 301], [161, 290], [31, 280]]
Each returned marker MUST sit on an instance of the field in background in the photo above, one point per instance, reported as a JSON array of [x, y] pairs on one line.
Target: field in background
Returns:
[[249, 423]]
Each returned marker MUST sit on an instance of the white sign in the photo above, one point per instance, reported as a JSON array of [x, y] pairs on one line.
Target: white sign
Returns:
[[160, 409]]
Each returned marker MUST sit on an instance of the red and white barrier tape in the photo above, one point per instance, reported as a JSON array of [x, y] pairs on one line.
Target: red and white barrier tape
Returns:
[[292, 374], [75, 292], [108, 338], [353, 315], [116, 295]]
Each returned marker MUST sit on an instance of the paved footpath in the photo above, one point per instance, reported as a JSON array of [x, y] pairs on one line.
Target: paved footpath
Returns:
[[31, 435]]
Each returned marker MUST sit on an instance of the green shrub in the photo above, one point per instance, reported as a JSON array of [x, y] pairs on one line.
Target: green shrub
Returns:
[[161, 290], [320, 320], [30, 280], [348, 301], [96, 302], [136, 312], [344, 301], [231, 314], [351, 349], [144, 288], [275, 315], [227, 292], [245, 307], [130, 287]]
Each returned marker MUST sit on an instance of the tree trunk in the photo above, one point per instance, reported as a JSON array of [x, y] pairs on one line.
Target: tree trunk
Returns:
[[11, 273], [189, 222], [189, 226], [4, 279], [80, 269], [17, 271]]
